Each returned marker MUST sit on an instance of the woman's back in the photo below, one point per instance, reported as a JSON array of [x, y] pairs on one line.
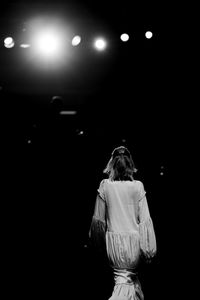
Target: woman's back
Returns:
[[122, 200]]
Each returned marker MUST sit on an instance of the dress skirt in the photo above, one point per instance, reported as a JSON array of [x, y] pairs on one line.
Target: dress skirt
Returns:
[[123, 250]]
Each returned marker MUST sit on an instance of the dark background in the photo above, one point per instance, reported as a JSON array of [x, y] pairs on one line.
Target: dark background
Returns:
[[52, 164]]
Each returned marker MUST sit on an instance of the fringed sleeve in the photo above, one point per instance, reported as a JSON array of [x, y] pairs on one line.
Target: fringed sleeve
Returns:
[[98, 224], [146, 228]]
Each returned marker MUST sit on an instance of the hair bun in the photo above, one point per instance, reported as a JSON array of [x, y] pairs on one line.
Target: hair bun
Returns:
[[121, 150]]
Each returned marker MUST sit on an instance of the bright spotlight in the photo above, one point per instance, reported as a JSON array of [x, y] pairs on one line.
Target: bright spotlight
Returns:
[[124, 37], [148, 34], [76, 40], [9, 42], [100, 44], [47, 43]]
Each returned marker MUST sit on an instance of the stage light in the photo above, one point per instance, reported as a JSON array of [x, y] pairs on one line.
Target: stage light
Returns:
[[76, 40], [124, 37], [50, 43], [25, 46], [148, 34], [47, 43], [9, 42], [67, 112], [100, 44]]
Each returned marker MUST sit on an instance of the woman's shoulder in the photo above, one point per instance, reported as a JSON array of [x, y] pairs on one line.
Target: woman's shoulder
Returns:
[[139, 185], [139, 182], [132, 182], [103, 181]]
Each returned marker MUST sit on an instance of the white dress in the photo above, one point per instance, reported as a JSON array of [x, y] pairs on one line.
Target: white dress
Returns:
[[121, 218]]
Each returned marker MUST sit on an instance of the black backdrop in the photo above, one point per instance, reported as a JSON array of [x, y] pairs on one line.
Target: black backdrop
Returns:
[[52, 164]]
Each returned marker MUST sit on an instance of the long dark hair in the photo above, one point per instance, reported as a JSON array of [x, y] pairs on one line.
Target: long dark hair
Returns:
[[120, 165]]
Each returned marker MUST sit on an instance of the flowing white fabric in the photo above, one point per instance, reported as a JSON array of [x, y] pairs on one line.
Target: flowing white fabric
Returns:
[[123, 249], [122, 210], [127, 286]]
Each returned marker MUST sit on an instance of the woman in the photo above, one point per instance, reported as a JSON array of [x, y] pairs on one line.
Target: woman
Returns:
[[122, 223]]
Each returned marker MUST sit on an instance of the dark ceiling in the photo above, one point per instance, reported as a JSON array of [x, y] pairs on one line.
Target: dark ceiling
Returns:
[[127, 88], [126, 68]]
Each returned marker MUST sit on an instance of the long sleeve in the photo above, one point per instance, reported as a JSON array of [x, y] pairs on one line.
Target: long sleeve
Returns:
[[146, 229], [98, 224]]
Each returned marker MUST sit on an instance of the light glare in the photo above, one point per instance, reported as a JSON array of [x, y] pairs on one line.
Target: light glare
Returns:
[[124, 37], [100, 44], [148, 34], [47, 43], [9, 42], [24, 45], [76, 40]]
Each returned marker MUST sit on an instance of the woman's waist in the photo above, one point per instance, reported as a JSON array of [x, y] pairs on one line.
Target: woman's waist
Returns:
[[123, 232], [125, 226]]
